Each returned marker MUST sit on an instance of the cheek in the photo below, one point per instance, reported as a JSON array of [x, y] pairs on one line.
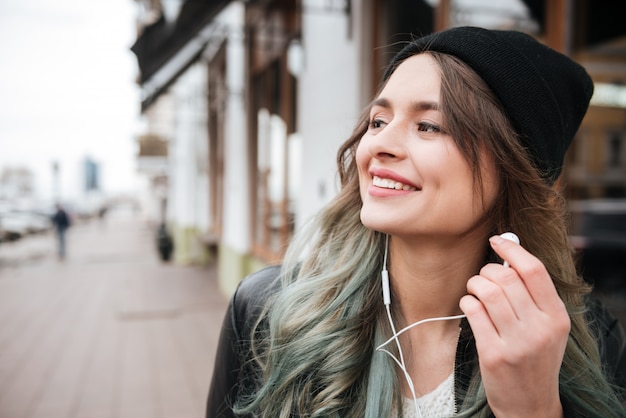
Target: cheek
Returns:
[[456, 172], [452, 167], [490, 180], [362, 159]]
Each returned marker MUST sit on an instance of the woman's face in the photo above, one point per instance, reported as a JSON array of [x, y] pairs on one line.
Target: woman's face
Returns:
[[413, 179]]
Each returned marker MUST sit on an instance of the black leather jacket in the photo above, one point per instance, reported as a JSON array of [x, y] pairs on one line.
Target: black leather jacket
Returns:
[[232, 370]]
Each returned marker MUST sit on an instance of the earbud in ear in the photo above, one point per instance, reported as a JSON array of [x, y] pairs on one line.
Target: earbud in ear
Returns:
[[511, 237]]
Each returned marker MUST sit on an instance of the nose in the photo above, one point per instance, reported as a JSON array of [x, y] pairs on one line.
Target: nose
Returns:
[[389, 142]]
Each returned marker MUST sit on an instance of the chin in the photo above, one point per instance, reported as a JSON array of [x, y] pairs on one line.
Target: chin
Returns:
[[376, 223], [366, 220]]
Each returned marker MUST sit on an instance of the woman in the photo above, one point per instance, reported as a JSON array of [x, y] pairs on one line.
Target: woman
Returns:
[[463, 142]]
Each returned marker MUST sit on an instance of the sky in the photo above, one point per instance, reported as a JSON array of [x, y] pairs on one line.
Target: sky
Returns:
[[68, 91]]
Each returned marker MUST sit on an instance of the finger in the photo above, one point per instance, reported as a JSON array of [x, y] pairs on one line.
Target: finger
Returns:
[[512, 286], [530, 270], [494, 301], [484, 331]]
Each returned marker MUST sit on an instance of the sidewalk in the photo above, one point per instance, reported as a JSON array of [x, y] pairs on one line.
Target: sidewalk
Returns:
[[111, 332]]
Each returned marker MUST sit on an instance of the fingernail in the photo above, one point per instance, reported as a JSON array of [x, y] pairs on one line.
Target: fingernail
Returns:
[[496, 240]]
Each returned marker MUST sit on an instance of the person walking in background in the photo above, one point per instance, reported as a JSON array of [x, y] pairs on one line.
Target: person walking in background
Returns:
[[405, 297], [61, 222]]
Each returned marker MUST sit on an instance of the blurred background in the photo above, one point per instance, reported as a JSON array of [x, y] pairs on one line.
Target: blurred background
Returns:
[[68, 103], [207, 130], [220, 120]]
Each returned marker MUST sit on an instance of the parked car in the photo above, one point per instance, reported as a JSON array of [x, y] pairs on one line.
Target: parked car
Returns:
[[15, 224], [598, 233]]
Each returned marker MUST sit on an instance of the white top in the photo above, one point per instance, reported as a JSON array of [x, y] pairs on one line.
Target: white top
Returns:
[[437, 404]]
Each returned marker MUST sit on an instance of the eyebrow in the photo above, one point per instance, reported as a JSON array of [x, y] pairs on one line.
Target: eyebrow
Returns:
[[416, 106]]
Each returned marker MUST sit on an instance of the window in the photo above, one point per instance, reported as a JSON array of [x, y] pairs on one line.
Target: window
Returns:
[[217, 108], [276, 156]]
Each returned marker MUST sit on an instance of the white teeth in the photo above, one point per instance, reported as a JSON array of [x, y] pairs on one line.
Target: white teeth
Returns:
[[390, 184]]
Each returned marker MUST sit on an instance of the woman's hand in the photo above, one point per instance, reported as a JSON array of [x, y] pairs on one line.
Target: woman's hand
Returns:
[[521, 328]]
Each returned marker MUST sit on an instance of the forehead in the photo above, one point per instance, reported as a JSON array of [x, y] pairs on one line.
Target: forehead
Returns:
[[416, 78]]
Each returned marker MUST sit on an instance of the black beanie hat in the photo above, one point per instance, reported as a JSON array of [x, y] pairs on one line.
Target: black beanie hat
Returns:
[[544, 93]]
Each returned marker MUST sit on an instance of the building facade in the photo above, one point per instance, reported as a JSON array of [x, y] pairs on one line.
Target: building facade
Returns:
[[253, 98]]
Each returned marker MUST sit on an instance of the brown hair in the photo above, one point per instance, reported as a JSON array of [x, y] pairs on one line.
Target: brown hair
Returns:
[[526, 203]]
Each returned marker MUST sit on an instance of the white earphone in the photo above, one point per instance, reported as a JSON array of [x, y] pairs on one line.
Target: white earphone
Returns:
[[511, 237]]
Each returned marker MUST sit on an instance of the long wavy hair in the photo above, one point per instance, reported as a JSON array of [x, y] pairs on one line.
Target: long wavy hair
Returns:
[[314, 345]]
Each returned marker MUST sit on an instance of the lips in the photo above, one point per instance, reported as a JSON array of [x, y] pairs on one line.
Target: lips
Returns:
[[392, 184], [387, 179]]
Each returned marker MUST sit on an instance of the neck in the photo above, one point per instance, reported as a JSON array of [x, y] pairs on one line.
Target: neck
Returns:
[[428, 277]]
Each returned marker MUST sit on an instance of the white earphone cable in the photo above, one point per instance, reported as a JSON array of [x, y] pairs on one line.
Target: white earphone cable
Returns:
[[387, 301]]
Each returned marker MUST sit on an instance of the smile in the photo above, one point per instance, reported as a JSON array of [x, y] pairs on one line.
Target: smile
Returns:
[[391, 184]]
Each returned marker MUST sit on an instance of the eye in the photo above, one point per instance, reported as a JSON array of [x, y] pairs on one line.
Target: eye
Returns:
[[376, 123], [428, 128]]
